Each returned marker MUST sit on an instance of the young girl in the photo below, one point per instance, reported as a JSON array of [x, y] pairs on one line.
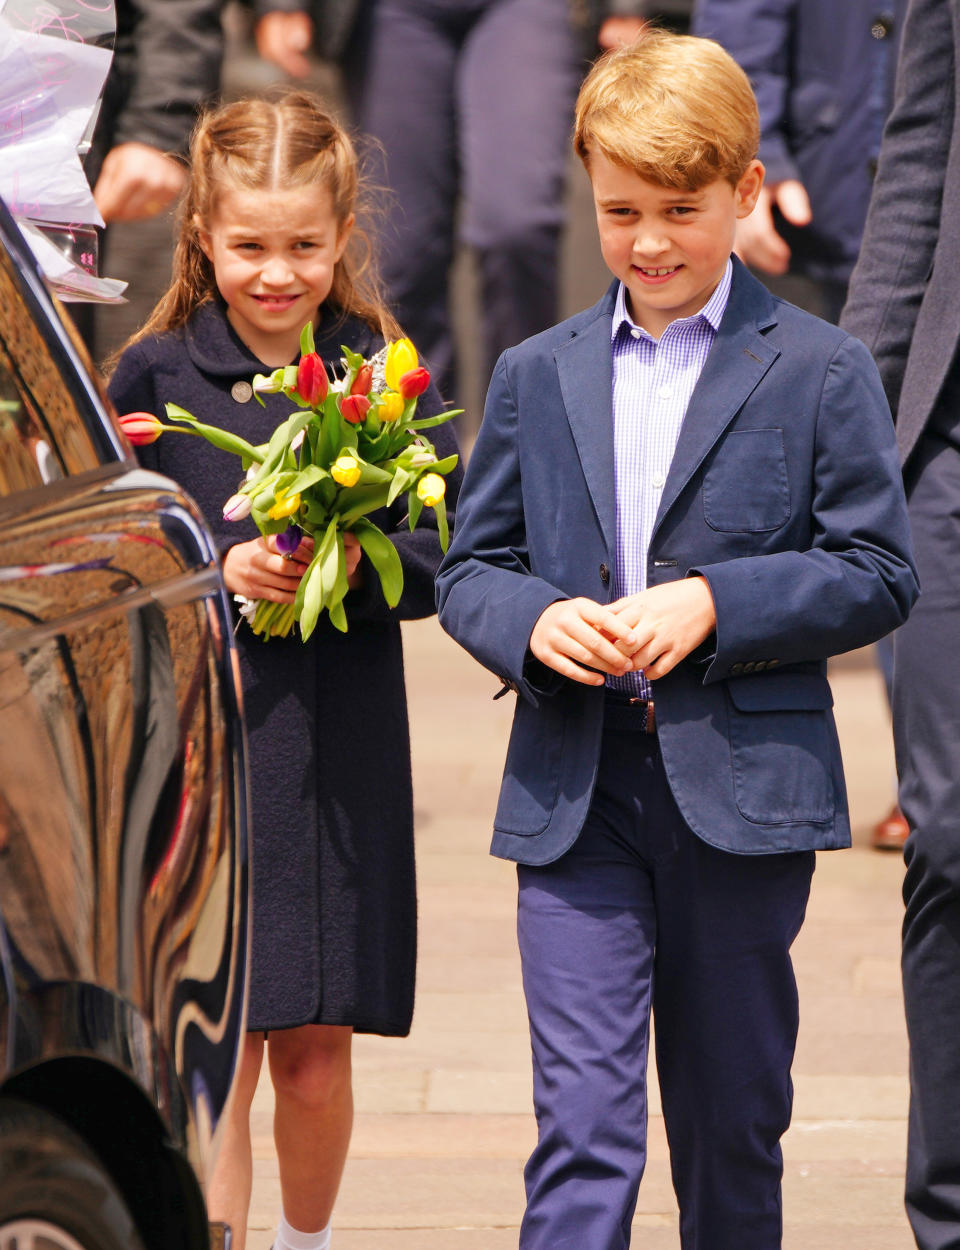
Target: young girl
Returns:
[[268, 243]]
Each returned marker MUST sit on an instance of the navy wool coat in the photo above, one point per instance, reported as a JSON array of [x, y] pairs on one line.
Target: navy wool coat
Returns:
[[334, 896]]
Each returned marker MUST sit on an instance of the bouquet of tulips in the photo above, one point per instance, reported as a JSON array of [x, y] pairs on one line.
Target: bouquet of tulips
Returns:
[[353, 446]]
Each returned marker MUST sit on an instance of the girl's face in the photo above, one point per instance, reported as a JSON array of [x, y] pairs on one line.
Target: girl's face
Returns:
[[273, 255]]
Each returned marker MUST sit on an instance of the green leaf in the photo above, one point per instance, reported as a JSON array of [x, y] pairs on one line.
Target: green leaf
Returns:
[[402, 480], [338, 616], [305, 478], [306, 339], [383, 555], [316, 582], [358, 501], [427, 422], [440, 508], [414, 508]]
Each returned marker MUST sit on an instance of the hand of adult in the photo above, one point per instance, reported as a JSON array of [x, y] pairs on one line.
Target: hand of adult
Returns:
[[283, 39], [757, 241], [575, 637], [352, 551], [137, 181], [617, 31], [258, 570], [668, 622]]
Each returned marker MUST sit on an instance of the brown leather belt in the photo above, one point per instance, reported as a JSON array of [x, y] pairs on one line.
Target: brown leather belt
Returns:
[[629, 715]]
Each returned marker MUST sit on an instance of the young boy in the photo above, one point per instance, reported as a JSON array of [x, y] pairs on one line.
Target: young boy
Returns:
[[681, 502]]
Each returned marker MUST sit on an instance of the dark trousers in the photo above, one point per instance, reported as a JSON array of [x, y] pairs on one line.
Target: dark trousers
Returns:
[[472, 101], [641, 913], [926, 720]]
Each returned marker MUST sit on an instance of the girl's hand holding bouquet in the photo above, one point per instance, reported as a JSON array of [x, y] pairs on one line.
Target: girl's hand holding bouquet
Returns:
[[354, 446]]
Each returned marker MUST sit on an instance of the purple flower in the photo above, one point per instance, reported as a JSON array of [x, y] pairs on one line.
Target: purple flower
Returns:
[[289, 540]]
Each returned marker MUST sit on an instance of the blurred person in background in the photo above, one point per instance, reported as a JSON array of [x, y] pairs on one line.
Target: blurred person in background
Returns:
[[469, 100], [166, 64], [823, 74], [903, 304]]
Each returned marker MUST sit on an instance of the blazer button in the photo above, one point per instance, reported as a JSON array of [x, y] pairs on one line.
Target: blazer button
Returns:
[[736, 668], [604, 574]]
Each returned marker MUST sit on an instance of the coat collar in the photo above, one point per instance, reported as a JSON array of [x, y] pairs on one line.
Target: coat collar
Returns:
[[738, 359], [216, 349]]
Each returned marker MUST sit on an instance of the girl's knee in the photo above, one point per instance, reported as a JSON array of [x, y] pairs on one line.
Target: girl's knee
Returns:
[[311, 1064]]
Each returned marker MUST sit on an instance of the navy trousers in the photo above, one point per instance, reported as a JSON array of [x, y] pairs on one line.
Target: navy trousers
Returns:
[[472, 104], [641, 913], [926, 722]]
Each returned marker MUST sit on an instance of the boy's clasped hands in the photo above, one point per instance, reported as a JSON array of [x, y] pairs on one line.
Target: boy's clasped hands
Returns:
[[649, 632]]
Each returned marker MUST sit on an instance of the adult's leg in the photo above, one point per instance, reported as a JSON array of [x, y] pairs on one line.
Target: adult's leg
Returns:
[[586, 926], [228, 1191], [726, 1016], [516, 89], [400, 76], [313, 1118], [926, 721]]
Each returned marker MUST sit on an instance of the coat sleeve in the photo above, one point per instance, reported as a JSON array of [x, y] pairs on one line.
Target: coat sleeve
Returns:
[[903, 224], [758, 34], [167, 62], [488, 598], [857, 581]]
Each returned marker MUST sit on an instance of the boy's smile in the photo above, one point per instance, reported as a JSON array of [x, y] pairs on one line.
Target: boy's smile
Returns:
[[669, 247]]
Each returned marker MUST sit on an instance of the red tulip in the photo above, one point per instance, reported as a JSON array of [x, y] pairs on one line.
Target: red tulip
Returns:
[[363, 380], [354, 408], [311, 379], [414, 383], [141, 428]]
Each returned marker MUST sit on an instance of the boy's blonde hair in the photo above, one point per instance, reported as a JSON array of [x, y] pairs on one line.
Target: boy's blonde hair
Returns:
[[675, 109]]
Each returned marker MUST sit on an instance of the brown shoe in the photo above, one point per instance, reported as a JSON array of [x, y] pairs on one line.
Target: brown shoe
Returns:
[[891, 833]]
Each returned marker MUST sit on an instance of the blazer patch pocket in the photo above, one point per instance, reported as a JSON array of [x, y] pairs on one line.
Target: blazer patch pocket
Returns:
[[745, 489], [781, 742], [531, 776]]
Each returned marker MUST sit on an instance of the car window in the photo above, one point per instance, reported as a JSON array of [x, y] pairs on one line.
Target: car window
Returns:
[[42, 433]]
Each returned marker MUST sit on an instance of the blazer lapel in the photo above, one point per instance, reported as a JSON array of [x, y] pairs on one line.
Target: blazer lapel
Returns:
[[739, 358], [585, 369]]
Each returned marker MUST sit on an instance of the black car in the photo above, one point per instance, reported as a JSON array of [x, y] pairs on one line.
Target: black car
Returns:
[[123, 843]]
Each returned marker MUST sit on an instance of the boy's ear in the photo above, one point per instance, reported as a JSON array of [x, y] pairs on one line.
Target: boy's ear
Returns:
[[748, 188], [343, 238]]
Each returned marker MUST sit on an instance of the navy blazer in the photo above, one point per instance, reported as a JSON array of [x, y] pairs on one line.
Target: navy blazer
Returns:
[[784, 493]]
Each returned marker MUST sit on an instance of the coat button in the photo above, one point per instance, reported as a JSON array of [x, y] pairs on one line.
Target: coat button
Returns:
[[881, 26], [604, 574], [241, 392]]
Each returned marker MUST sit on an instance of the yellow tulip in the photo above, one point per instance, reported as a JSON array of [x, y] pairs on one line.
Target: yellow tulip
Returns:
[[431, 489], [390, 407], [401, 358], [284, 506], [345, 470]]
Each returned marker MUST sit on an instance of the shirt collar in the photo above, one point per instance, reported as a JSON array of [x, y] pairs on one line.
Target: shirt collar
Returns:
[[712, 311]]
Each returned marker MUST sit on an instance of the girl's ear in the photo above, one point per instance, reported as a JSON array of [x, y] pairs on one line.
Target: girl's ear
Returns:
[[203, 237], [343, 238]]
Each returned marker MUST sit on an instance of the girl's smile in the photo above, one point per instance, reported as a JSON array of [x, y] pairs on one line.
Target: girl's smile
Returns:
[[273, 254]]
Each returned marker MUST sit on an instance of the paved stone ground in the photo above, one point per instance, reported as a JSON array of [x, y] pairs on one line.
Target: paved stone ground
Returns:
[[444, 1121]]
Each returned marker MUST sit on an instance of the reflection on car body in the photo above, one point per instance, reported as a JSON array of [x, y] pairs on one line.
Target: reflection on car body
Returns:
[[123, 857]]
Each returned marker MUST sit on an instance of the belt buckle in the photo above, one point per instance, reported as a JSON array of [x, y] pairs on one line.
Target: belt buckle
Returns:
[[649, 713]]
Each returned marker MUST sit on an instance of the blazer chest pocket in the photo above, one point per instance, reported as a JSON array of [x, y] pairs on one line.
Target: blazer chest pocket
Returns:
[[745, 489], [782, 747]]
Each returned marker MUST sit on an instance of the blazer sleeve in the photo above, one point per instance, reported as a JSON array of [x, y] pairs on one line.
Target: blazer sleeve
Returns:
[[856, 582], [487, 597], [758, 34], [903, 224]]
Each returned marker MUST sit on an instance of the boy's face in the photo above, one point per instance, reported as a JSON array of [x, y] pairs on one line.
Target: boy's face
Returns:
[[668, 247]]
